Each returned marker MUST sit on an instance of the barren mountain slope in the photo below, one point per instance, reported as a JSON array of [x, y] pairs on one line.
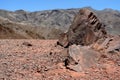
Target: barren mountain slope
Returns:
[[16, 30], [51, 23]]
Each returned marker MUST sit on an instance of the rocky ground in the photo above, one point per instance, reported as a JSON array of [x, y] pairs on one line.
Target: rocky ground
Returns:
[[31, 59]]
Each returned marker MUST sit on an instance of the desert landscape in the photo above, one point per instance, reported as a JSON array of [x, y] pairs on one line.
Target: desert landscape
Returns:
[[72, 44], [43, 60]]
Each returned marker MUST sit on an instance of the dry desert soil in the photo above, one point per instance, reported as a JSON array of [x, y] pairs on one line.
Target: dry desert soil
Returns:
[[22, 59]]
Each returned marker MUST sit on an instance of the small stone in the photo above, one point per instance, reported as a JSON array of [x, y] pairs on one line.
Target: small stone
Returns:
[[27, 44]]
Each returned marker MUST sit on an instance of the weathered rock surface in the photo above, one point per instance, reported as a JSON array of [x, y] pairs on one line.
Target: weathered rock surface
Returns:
[[114, 45], [85, 40], [109, 45], [81, 58], [85, 29]]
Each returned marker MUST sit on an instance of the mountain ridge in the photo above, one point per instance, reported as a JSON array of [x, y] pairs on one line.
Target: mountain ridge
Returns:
[[60, 20]]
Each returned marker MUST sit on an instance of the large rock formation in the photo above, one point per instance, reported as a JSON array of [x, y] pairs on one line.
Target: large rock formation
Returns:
[[85, 30], [86, 41]]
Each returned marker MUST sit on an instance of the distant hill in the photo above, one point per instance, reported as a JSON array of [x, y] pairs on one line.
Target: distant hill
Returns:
[[50, 23]]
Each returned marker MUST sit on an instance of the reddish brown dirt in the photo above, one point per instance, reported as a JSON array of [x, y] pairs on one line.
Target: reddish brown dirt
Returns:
[[43, 60]]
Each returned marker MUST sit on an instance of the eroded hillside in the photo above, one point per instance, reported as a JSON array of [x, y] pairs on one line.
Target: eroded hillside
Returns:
[[50, 23]]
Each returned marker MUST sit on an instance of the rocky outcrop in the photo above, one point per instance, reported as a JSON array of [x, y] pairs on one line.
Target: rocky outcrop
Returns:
[[86, 41], [84, 30]]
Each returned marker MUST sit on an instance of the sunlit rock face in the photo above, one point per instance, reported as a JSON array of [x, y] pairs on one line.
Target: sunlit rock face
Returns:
[[85, 29]]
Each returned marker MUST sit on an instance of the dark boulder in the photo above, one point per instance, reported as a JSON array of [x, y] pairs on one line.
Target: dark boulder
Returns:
[[85, 29]]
